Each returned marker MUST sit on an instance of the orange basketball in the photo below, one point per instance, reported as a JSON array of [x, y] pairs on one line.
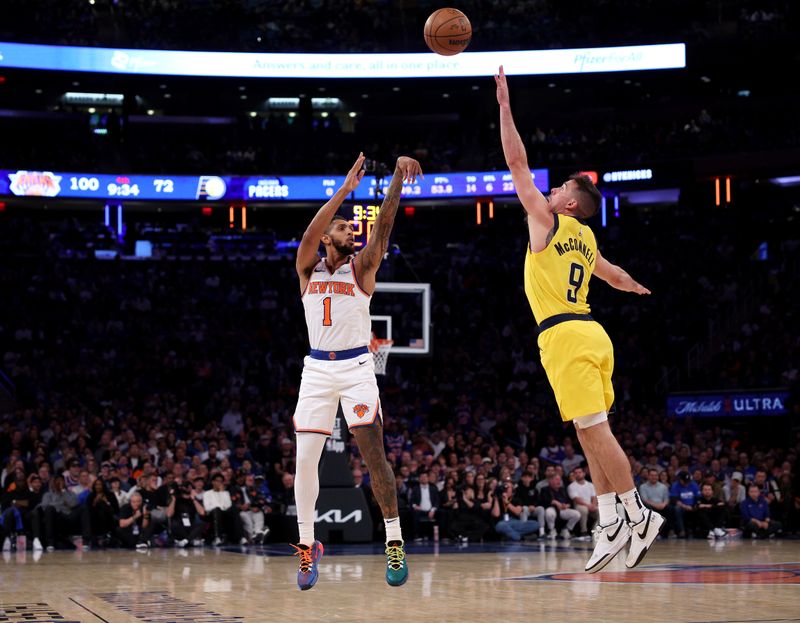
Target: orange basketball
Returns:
[[448, 32]]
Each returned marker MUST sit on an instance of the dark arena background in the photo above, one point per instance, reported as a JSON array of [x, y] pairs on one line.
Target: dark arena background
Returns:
[[159, 163]]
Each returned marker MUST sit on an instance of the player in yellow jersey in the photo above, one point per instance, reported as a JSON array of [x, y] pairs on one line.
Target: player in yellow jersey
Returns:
[[576, 352]]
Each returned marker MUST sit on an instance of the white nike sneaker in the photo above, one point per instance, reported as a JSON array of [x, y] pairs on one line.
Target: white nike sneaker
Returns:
[[644, 534], [720, 533], [609, 541]]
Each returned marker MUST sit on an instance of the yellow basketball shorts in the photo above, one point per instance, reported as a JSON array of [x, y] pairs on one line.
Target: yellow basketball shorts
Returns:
[[578, 358]]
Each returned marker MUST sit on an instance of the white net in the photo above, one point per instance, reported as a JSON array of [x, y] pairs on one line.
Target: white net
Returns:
[[380, 352]]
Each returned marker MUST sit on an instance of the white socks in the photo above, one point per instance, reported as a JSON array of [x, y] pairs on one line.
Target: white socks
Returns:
[[393, 532], [306, 482], [607, 508], [633, 505]]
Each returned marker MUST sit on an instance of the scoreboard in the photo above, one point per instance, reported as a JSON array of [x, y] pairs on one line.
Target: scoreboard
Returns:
[[26, 183]]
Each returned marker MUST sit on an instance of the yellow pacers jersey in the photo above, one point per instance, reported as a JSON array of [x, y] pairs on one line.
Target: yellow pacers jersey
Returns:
[[557, 278], [577, 355]]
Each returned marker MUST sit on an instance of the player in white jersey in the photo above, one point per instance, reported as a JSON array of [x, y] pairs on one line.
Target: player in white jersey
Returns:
[[336, 291]]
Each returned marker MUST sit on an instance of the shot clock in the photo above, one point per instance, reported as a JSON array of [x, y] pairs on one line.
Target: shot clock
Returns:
[[364, 217]]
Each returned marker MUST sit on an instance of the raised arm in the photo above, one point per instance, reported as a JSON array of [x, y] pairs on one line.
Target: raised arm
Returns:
[[307, 252], [540, 218], [369, 259], [616, 277]]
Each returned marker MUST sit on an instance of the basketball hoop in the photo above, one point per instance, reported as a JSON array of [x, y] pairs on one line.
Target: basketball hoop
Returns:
[[380, 350]]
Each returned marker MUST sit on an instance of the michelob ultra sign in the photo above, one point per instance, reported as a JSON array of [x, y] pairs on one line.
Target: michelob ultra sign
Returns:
[[729, 404]]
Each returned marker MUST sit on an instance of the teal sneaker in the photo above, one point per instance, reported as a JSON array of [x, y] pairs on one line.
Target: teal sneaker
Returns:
[[307, 574], [396, 566]]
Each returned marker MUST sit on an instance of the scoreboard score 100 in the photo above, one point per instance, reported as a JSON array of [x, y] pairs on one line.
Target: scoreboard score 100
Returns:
[[363, 221]]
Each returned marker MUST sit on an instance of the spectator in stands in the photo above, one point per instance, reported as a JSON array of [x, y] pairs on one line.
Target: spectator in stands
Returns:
[[655, 495], [484, 497], [770, 490], [556, 502], [185, 513], [64, 514], [711, 513], [734, 494], [756, 521], [156, 500], [684, 494], [425, 505], [552, 453], [18, 502], [221, 513], [510, 513], [571, 458], [103, 513], [134, 530], [549, 472], [233, 422], [529, 498], [72, 474], [250, 504], [449, 499], [584, 499]]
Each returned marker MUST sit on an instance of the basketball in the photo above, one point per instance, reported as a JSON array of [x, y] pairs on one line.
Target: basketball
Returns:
[[447, 32]]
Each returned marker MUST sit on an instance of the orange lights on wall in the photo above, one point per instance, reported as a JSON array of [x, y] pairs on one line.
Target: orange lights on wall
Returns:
[[479, 210], [718, 190]]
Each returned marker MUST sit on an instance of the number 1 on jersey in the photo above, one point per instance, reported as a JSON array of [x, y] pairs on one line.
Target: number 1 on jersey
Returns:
[[575, 279], [326, 306]]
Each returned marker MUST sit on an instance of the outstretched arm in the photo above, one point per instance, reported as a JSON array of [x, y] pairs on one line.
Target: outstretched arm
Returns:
[[307, 256], [540, 218], [369, 259], [616, 277]]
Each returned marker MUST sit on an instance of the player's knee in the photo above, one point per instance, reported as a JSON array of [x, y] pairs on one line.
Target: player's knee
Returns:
[[587, 421]]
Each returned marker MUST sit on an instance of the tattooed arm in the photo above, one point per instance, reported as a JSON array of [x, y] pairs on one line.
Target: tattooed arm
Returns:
[[369, 259]]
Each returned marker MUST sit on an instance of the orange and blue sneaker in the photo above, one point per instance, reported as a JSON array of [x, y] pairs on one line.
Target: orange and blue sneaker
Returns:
[[396, 566], [307, 574]]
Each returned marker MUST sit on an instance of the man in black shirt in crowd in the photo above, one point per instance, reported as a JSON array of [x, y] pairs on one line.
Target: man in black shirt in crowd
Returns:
[[156, 500], [134, 528], [711, 513], [529, 498], [185, 513], [18, 504]]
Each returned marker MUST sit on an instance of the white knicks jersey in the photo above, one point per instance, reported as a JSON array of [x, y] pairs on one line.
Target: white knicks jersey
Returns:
[[337, 309]]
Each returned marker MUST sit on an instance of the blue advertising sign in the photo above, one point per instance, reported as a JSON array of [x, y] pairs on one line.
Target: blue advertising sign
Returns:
[[290, 65], [24, 183], [733, 404]]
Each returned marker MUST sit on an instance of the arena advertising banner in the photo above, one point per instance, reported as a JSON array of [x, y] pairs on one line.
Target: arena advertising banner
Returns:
[[255, 189], [732, 404], [285, 65]]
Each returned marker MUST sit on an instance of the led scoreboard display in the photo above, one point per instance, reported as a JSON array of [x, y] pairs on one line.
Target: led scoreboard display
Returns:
[[363, 221], [25, 183]]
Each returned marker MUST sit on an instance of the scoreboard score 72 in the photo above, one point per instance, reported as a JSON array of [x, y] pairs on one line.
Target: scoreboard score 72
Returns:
[[363, 221]]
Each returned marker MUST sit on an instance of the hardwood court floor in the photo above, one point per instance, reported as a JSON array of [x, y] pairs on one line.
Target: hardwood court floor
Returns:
[[678, 582]]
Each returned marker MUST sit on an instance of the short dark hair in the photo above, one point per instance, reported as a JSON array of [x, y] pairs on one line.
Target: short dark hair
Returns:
[[588, 196], [336, 217]]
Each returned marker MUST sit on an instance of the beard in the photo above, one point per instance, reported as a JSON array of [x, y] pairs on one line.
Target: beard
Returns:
[[344, 248]]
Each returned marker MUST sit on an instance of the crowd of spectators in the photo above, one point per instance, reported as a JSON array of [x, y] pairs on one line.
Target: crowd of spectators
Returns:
[[468, 142], [153, 399], [473, 487]]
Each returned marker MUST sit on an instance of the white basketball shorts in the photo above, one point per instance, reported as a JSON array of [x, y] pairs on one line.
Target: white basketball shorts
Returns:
[[325, 383]]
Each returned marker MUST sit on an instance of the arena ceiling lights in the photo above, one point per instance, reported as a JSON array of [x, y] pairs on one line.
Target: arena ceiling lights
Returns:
[[255, 65]]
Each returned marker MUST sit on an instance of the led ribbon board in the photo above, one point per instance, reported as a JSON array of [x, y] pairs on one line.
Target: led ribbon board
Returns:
[[28, 183], [284, 65]]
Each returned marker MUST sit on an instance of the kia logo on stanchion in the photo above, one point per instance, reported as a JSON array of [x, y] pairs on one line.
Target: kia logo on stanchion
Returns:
[[335, 516]]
